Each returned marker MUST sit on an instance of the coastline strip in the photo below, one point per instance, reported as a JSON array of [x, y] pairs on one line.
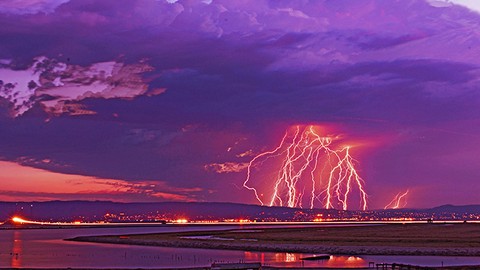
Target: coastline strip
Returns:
[[396, 239]]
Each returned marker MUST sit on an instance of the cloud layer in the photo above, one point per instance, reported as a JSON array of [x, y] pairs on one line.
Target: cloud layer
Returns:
[[58, 87], [180, 92]]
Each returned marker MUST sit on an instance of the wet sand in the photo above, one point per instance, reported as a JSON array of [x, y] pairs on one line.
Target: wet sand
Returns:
[[388, 239]]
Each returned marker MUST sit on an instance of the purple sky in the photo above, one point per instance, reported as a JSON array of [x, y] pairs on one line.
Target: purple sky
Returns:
[[150, 101]]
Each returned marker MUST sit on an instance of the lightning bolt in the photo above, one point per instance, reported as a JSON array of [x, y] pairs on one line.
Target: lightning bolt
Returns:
[[396, 202], [301, 155]]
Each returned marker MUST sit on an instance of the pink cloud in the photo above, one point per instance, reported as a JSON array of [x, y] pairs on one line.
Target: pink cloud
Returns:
[[18, 180], [227, 167]]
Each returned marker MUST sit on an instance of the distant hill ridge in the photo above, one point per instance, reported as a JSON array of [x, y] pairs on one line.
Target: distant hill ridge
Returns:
[[473, 208], [68, 209], [96, 210]]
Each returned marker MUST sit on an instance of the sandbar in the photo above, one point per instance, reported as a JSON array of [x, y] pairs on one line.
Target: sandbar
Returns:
[[438, 239]]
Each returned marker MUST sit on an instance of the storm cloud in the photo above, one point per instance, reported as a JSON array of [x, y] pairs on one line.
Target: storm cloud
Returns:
[[176, 91]]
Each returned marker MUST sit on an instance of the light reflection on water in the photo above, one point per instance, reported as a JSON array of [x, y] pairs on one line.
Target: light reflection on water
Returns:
[[295, 259], [16, 259], [346, 261], [45, 248]]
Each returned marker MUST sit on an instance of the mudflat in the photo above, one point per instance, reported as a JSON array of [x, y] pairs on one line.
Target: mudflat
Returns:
[[385, 239]]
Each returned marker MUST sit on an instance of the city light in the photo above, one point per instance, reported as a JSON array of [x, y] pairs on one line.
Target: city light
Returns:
[[181, 221], [19, 220]]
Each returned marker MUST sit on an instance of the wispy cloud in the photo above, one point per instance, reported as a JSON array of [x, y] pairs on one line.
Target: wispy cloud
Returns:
[[227, 167]]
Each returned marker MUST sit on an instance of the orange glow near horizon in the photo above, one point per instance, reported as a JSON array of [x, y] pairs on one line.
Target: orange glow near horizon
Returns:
[[20, 182], [307, 158]]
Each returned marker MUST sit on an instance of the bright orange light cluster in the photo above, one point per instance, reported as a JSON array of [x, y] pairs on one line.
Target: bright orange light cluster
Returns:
[[305, 154], [244, 221], [19, 220], [181, 220], [397, 201]]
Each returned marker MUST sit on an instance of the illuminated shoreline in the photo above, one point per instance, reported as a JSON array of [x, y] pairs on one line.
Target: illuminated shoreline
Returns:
[[21, 223], [27, 224], [451, 239]]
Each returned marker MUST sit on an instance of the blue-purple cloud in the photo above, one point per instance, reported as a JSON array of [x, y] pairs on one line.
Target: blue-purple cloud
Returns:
[[157, 91]]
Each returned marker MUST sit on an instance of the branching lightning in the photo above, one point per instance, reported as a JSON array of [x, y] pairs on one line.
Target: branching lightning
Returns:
[[306, 158], [397, 201]]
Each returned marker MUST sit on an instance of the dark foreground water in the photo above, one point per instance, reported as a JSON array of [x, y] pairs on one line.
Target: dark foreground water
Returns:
[[45, 248]]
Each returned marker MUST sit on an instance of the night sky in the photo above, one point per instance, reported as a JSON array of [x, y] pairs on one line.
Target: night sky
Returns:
[[154, 100]]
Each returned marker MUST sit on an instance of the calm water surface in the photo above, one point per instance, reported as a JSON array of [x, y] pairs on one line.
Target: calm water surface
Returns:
[[45, 248]]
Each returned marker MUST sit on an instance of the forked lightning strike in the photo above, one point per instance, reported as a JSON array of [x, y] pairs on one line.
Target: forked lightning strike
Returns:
[[306, 157], [397, 201]]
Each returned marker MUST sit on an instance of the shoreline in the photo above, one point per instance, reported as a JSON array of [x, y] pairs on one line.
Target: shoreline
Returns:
[[411, 240], [291, 248]]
